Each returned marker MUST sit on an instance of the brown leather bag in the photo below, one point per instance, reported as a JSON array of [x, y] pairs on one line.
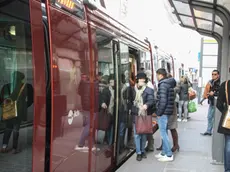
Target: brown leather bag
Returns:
[[104, 120], [143, 124]]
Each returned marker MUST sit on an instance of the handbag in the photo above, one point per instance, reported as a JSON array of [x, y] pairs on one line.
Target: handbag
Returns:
[[226, 121], [104, 120], [9, 107], [143, 124], [191, 93]]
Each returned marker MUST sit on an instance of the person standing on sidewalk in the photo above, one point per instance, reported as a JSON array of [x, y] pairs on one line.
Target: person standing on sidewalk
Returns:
[[182, 90], [211, 91], [165, 107], [150, 139], [222, 102], [142, 99]]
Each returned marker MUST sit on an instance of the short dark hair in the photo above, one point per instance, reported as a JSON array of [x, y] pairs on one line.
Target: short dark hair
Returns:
[[162, 71], [215, 70], [169, 75]]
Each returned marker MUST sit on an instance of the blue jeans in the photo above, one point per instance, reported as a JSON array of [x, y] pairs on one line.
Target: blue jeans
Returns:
[[227, 153], [162, 123], [85, 133], [122, 129], [110, 135], [140, 141], [211, 113]]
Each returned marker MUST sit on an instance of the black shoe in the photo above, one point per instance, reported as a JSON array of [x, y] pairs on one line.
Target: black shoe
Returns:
[[143, 155], [139, 157], [149, 149], [206, 134]]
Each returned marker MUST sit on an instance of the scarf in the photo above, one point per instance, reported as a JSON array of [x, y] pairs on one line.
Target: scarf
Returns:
[[111, 103], [138, 102]]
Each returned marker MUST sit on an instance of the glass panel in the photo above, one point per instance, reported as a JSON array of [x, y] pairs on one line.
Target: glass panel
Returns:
[[187, 21], [210, 49], [16, 84], [202, 24], [218, 29], [218, 19], [105, 99], [202, 14], [224, 3], [125, 118], [210, 61], [182, 8]]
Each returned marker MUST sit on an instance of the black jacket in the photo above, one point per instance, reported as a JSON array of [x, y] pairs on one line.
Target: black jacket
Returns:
[[85, 93], [215, 86], [165, 96], [148, 99], [183, 91], [221, 105]]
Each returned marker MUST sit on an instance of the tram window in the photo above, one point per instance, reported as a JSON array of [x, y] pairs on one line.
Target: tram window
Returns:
[[16, 83]]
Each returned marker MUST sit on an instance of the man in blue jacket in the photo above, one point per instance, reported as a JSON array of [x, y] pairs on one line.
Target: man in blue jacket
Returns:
[[165, 106]]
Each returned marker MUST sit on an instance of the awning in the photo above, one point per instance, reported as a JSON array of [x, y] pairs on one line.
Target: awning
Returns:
[[201, 15]]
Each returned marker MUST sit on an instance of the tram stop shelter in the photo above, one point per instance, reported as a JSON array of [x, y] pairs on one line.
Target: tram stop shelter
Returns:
[[210, 18]]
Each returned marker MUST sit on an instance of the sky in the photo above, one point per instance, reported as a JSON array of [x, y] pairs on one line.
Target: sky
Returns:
[[149, 18]]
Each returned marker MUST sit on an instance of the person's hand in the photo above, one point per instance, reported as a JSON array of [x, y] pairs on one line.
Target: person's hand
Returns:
[[154, 115], [145, 107], [104, 106], [211, 93]]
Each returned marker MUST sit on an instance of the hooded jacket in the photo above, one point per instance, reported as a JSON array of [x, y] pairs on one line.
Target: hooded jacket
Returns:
[[165, 96]]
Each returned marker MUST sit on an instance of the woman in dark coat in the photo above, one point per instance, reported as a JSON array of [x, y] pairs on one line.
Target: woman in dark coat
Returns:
[[143, 101], [222, 106]]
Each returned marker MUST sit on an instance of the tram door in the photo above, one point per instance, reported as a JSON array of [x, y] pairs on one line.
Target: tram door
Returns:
[[125, 71]]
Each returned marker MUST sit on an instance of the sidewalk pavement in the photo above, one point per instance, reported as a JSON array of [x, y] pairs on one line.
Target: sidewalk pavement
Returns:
[[195, 150]]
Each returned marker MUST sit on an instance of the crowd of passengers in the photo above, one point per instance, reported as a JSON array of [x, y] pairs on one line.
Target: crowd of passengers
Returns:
[[140, 98]]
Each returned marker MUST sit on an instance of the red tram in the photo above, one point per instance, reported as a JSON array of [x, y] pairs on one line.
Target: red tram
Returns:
[[58, 45]]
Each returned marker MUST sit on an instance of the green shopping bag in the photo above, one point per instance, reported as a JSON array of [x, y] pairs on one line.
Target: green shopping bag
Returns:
[[192, 107]]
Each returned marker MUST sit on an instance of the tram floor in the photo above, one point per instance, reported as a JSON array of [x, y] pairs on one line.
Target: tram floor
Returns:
[[22, 161], [195, 150]]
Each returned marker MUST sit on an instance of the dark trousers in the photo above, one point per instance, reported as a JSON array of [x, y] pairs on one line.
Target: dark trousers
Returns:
[[12, 125], [227, 153]]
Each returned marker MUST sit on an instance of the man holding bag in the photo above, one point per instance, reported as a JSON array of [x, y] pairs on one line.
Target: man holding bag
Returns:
[[143, 101], [165, 107]]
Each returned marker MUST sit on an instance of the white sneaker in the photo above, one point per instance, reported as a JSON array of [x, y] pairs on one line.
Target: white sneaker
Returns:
[[158, 156], [179, 120], [81, 148], [185, 120], [166, 159]]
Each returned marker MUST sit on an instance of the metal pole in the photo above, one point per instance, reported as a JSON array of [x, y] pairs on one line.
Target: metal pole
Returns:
[[201, 68]]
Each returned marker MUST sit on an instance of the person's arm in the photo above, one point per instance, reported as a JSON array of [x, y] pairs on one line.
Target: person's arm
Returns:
[[206, 90], [150, 98], [221, 99], [30, 95]]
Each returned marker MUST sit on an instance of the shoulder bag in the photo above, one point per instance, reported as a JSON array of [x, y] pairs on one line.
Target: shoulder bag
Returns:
[[9, 107]]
